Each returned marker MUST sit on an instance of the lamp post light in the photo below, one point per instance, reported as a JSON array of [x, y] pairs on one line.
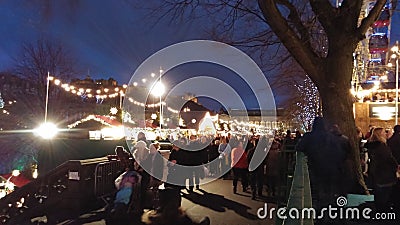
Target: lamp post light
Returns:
[[395, 55], [47, 130], [158, 90]]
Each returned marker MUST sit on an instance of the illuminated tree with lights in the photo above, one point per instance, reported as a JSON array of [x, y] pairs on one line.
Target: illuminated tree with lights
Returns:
[[308, 104]]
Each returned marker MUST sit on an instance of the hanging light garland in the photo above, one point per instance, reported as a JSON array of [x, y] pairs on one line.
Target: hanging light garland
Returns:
[[90, 117], [104, 93], [88, 92]]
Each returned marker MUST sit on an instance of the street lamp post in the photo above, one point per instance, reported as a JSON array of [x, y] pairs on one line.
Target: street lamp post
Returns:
[[395, 50], [158, 90], [47, 130], [47, 97]]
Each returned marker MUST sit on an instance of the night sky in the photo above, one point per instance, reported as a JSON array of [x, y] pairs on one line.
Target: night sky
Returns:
[[108, 38]]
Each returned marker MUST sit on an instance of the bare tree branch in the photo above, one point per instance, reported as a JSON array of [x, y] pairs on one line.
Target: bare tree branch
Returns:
[[304, 56]]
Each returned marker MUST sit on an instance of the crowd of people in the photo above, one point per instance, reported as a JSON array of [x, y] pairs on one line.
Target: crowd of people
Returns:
[[332, 171], [328, 151], [193, 158]]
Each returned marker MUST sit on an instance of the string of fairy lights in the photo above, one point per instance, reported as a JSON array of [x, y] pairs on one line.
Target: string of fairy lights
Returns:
[[88, 92], [103, 93], [90, 117], [309, 104]]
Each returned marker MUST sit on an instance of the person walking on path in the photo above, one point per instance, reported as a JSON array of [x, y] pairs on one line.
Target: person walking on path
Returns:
[[272, 167], [239, 165], [257, 175], [224, 150]]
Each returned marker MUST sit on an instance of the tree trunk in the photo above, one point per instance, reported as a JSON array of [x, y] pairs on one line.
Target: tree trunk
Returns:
[[337, 107]]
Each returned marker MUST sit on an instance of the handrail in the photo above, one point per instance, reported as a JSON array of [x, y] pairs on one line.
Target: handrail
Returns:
[[73, 180], [300, 192]]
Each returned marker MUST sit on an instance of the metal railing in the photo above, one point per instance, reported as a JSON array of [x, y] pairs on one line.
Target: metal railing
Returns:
[[300, 193], [70, 186], [104, 176], [287, 161]]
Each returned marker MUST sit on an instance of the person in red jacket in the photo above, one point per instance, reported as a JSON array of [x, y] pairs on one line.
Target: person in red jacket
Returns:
[[239, 165]]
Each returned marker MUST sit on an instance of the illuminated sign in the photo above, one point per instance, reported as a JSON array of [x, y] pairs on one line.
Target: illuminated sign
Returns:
[[382, 111]]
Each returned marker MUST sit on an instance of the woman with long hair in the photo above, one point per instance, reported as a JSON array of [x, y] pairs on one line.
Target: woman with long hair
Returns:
[[382, 168]]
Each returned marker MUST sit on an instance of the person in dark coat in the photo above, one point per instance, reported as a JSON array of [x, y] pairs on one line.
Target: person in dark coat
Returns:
[[382, 168], [154, 165], [394, 143], [347, 181], [325, 161], [124, 157], [176, 175], [213, 157], [272, 166], [257, 175]]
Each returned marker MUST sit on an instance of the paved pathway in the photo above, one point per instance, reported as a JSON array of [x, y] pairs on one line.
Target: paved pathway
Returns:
[[215, 200]]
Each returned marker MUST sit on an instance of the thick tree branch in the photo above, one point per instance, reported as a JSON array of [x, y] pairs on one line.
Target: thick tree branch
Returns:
[[301, 52], [295, 18], [371, 18], [324, 11]]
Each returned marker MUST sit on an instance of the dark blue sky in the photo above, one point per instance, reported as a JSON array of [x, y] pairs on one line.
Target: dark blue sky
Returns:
[[108, 38]]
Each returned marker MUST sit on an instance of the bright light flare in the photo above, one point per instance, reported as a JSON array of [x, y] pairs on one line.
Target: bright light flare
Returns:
[[158, 89], [46, 130], [16, 173], [113, 133], [35, 173]]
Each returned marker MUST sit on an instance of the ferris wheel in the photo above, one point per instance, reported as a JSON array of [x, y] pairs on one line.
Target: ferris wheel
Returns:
[[371, 55]]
